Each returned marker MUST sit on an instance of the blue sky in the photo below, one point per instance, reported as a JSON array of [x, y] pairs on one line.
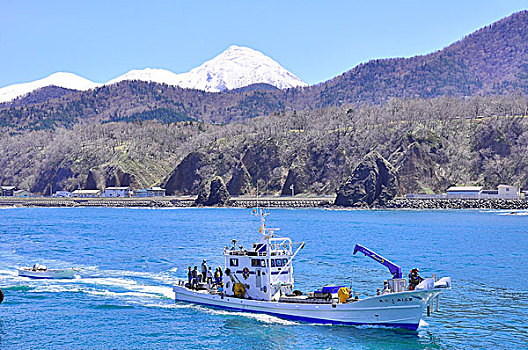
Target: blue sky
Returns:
[[316, 40]]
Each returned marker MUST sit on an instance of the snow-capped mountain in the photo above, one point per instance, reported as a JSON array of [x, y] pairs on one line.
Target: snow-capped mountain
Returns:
[[237, 67], [234, 68], [60, 79], [161, 76]]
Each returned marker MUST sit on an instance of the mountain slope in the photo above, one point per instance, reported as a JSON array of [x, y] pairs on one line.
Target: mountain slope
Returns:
[[60, 79], [493, 59]]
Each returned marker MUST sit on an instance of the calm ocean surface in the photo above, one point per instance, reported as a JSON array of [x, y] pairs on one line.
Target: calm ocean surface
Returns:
[[124, 298]]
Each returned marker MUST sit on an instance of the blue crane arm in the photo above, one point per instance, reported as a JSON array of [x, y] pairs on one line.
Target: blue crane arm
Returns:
[[394, 269]]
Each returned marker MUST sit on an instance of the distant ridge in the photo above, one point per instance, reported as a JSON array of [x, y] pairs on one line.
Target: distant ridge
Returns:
[[60, 79], [234, 68]]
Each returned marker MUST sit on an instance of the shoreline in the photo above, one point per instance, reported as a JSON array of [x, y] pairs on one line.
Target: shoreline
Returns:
[[271, 202]]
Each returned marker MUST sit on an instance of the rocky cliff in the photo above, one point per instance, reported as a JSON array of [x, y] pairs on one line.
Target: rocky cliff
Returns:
[[373, 183], [213, 193]]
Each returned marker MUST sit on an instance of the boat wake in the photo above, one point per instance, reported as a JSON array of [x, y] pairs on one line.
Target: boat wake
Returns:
[[131, 287], [258, 317]]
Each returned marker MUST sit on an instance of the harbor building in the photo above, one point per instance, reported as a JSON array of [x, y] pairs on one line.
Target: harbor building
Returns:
[[7, 191], [150, 192], [464, 191], [64, 194], [510, 192], [117, 192], [86, 193]]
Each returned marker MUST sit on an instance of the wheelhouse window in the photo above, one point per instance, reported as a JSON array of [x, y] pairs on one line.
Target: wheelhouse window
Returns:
[[284, 262], [233, 262], [278, 262], [272, 263], [255, 262]]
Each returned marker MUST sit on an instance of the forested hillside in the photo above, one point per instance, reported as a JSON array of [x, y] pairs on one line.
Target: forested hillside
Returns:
[[433, 143], [493, 60]]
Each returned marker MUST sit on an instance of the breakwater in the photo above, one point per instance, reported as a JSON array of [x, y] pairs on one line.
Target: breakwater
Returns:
[[162, 202], [270, 202], [448, 203]]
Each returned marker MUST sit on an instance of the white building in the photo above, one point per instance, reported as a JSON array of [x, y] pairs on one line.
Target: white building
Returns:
[[86, 193], [117, 192], [509, 192], [464, 191]]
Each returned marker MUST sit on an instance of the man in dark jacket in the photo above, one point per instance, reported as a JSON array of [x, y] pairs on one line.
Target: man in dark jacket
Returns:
[[414, 279], [194, 282], [204, 271]]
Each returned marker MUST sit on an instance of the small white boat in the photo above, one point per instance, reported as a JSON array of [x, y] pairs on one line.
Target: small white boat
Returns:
[[41, 271], [260, 280]]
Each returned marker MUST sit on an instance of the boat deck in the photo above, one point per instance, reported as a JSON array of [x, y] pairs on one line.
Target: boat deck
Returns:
[[300, 299]]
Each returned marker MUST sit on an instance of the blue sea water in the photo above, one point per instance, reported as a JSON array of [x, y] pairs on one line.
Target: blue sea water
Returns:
[[124, 299]]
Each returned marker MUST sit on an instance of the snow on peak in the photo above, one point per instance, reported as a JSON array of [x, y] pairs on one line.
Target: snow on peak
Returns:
[[60, 79], [161, 76], [237, 67]]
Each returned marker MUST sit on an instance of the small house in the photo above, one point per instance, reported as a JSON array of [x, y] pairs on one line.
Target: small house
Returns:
[[86, 193], [117, 192], [509, 192]]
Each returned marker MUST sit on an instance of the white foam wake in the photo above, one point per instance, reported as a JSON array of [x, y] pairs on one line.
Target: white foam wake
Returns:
[[259, 317]]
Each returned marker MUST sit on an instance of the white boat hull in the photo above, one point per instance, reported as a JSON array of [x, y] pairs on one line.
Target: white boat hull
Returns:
[[48, 274], [400, 310]]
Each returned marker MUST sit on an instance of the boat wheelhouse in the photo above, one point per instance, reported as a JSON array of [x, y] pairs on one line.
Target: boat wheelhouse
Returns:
[[265, 271]]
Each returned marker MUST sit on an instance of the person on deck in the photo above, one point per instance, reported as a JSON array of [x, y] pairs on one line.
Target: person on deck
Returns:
[[194, 282], [189, 276], [218, 276], [414, 279], [209, 276], [204, 271]]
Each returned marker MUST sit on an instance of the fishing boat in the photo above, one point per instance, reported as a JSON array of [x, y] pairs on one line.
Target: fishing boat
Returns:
[[260, 280], [41, 271]]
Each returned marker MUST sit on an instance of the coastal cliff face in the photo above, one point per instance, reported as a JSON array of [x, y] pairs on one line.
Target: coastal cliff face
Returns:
[[186, 177], [311, 150], [418, 164], [373, 183], [240, 182]]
